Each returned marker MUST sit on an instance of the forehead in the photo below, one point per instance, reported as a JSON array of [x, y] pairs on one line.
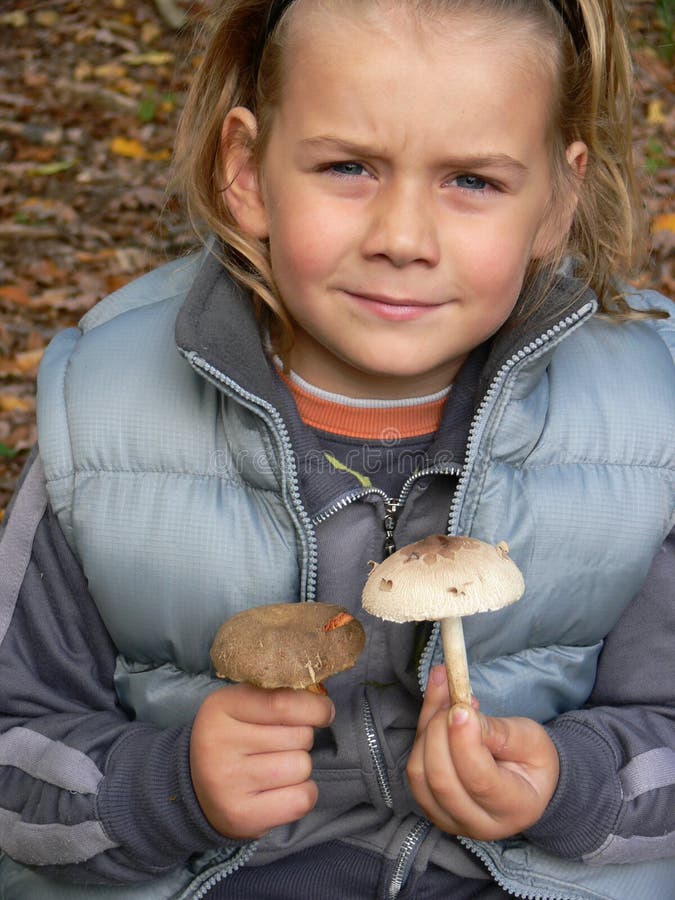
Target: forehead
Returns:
[[382, 69]]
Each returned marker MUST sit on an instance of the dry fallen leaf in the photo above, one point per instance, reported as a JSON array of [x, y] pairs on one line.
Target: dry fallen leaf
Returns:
[[15, 293], [133, 149], [153, 58], [655, 115], [46, 18], [17, 19], [12, 403], [665, 222], [28, 360], [110, 71]]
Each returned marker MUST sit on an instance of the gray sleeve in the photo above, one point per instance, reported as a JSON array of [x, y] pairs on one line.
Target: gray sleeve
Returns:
[[620, 749], [85, 793]]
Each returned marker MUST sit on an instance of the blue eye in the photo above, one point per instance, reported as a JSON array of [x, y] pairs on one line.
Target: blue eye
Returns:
[[471, 182], [349, 169]]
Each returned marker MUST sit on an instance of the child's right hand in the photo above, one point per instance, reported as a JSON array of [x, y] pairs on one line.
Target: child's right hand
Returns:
[[249, 757]]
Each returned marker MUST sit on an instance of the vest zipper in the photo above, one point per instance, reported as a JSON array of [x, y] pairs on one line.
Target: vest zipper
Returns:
[[272, 418], [203, 883], [277, 426], [510, 885], [545, 341]]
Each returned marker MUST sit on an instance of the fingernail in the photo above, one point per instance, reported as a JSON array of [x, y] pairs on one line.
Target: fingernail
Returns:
[[437, 675], [460, 715]]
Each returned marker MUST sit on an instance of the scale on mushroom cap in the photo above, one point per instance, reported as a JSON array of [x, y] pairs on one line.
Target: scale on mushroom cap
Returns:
[[444, 578]]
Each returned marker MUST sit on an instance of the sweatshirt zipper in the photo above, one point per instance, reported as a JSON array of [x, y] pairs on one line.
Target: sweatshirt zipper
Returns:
[[419, 831], [376, 755], [406, 857], [391, 507], [413, 840]]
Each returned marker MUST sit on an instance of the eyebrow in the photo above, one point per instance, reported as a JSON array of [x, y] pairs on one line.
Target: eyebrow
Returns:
[[475, 161]]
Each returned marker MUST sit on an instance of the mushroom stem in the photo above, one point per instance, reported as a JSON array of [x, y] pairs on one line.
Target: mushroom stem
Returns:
[[454, 650]]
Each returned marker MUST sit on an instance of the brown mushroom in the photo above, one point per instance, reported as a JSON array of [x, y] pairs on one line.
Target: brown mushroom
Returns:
[[296, 645], [444, 578]]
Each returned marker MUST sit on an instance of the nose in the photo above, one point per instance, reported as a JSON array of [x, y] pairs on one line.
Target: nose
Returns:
[[402, 226]]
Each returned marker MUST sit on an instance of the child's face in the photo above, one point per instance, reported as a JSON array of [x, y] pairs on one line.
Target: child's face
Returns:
[[404, 189]]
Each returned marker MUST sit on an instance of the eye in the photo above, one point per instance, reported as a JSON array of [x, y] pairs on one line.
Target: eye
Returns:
[[471, 183], [347, 169]]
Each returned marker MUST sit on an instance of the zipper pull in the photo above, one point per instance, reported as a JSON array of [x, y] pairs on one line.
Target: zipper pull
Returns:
[[389, 522]]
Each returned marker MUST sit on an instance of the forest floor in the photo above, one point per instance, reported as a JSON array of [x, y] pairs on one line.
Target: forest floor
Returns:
[[90, 94]]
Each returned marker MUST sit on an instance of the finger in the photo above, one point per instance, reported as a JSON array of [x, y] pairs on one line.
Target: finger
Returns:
[[256, 738], [443, 771], [257, 813], [282, 706], [516, 739], [498, 736], [436, 696], [523, 748], [269, 771], [289, 707], [433, 780], [474, 763], [484, 798], [497, 786]]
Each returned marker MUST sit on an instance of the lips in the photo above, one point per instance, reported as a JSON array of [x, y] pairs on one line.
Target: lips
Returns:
[[394, 309], [386, 300]]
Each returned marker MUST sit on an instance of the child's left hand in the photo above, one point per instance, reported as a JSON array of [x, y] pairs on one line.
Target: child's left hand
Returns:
[[483, 777]]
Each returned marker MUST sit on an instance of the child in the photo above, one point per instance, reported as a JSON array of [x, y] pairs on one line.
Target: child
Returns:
[[381, 342]]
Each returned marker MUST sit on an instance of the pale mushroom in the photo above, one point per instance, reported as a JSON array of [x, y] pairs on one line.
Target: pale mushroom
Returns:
[[296, 645], [444, 578]]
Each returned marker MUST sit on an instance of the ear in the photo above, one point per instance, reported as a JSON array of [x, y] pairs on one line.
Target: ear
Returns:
[[240, 173], [559, 219]]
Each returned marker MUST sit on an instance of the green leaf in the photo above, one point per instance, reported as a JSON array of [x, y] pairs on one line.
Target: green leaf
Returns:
[[147, 109], [7, 452], [655, 157], [54, 168]]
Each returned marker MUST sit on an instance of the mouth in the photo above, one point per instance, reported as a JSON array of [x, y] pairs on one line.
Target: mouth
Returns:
[[397, 309]]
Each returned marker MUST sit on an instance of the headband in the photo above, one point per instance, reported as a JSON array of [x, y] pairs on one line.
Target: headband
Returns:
[[570, 16]]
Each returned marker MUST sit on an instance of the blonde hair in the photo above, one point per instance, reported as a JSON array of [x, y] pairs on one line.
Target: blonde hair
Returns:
[[242, 66]]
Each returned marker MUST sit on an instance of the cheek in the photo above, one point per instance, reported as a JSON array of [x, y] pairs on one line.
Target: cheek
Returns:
[[302, 247], [497, 272]]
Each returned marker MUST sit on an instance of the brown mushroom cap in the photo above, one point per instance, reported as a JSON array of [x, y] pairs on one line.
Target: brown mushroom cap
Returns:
[[287, 644], [442, 576]]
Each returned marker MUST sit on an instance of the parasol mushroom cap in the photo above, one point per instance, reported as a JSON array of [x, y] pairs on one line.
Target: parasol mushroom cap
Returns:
[[442, 576], [294, 645]]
